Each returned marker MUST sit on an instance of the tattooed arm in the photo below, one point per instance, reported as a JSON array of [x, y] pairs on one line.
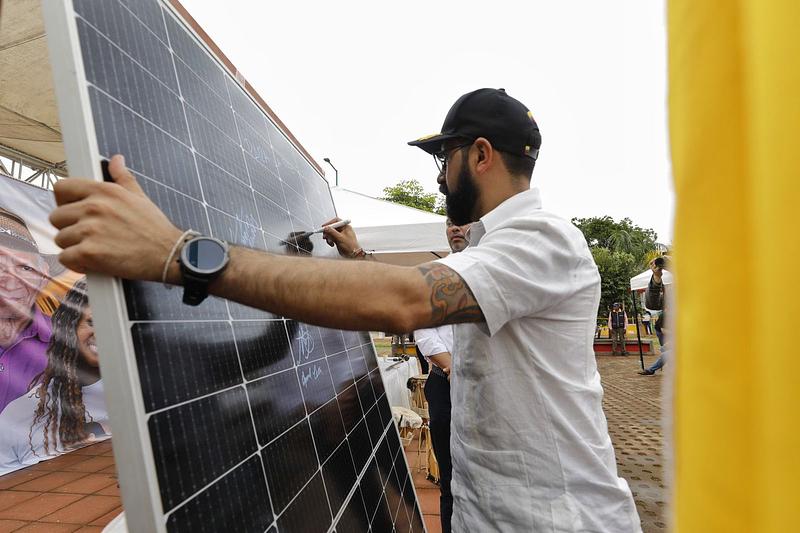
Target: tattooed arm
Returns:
[[452, 301], [347, 294]]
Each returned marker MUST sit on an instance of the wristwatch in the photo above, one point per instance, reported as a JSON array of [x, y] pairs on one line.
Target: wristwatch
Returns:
[[202, 260]]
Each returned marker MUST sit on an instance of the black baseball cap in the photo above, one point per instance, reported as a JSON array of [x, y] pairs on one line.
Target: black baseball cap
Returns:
[[489, 113]]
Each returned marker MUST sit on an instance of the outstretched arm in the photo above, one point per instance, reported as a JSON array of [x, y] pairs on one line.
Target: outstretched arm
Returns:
[[114, 229], [347, 294]]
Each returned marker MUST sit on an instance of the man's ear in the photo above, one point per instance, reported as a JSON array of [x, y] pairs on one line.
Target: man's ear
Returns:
[[486, 155]]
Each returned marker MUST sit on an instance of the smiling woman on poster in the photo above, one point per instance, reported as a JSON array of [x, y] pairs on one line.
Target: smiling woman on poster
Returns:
[[65, 408]]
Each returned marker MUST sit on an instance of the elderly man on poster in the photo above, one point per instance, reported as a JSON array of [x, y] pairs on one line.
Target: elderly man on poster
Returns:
[[24, 329]]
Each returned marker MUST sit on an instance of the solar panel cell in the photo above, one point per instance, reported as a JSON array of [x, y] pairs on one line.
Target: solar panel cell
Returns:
[[328, 429], [199, 441], [238, 502], [309, 513], [340, 475], [289, 465], [276, 404]]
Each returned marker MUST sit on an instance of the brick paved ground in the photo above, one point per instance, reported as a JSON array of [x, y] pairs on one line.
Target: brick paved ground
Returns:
[[632, 404], [73, 492]]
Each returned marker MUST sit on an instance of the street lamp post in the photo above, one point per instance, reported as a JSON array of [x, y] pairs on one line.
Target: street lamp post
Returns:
[[327, 160]]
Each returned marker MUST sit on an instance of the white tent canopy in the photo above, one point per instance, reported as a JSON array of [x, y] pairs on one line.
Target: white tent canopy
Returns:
[[640, 281], [395, 233]]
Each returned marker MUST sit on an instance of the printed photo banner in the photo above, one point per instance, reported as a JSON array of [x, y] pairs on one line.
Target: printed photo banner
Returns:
[[51, 394]]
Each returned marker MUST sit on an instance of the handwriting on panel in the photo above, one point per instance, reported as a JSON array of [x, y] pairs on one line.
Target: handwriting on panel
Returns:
[[314, 372], [305, 342]]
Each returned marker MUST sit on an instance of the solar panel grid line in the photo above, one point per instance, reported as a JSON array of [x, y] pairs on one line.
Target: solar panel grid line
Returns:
[[196, 515], [356, 486], [182, 101], [115, 134], [252, 416], [305, 420], [121, 86], [175, 63], [217, 138], [209, 484], [251, 168]]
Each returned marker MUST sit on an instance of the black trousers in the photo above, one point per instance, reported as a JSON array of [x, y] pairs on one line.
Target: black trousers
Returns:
[[437, 392]]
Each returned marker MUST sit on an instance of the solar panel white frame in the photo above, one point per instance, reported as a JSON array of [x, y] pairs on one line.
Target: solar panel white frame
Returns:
[[135, 461]]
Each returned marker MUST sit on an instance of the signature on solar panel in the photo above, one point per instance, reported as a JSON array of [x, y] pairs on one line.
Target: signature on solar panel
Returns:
[[305, 342], [247, 228], [313, 373]]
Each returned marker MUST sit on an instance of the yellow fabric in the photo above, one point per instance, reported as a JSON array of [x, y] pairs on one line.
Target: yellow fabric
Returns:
[[734, 80]]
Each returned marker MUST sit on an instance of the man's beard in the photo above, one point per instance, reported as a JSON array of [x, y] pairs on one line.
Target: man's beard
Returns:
[[461, 204]]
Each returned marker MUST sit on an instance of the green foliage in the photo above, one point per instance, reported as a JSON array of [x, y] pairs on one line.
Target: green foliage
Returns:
[[440, 208], [616, 270], [621, 250], [411, 193], [622, 236]]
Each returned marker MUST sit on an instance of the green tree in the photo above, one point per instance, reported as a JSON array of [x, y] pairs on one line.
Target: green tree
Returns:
[[616, 270], [411, 193], [621, 250], [622, 236]]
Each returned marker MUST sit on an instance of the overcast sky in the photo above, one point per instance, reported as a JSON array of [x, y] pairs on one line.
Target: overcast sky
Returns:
[[354, 81]]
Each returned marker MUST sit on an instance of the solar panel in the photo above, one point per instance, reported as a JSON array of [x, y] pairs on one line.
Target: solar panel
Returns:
[[224, 417]]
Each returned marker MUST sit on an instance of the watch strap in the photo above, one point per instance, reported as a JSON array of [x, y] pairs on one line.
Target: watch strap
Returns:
[[195, 288]]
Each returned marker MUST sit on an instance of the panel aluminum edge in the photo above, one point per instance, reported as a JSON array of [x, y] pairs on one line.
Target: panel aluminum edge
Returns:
[[132, 450]]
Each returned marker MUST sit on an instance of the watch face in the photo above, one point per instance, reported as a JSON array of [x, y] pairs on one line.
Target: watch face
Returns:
[[205, 254]]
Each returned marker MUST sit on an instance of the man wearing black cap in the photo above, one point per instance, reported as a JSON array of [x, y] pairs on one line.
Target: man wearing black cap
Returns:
[[24, 330], [530, 445]]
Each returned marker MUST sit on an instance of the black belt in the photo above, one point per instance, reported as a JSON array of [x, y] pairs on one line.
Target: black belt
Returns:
[[438, 371]]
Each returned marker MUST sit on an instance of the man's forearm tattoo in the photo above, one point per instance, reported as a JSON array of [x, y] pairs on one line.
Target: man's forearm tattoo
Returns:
[[451, 299]]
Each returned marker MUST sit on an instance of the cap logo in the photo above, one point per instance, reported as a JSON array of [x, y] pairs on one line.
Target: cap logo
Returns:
[[530, 116], [424, 137]]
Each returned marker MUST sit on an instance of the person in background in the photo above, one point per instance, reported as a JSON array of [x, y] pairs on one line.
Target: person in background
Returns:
[[662, 359], [436, 344], [646, 322], [65, 407], [24, 329], [618, 326], [655, 296]]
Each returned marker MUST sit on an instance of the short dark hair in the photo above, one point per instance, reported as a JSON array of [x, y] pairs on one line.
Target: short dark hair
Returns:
[[518, 165]]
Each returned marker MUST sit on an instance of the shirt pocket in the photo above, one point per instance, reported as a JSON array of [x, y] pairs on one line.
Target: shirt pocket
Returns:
[[493, 487]]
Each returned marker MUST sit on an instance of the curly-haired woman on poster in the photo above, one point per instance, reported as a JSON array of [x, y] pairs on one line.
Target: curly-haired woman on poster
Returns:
[[65, 408]]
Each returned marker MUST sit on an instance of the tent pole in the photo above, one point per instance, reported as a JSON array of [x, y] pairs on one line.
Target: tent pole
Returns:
[[638, 334]]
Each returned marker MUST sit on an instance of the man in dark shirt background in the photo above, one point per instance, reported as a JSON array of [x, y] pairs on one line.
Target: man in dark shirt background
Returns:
[[618, 325]]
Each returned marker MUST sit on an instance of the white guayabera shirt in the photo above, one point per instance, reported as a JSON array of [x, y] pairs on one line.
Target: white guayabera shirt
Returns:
[[433, 341], [530, 443]]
